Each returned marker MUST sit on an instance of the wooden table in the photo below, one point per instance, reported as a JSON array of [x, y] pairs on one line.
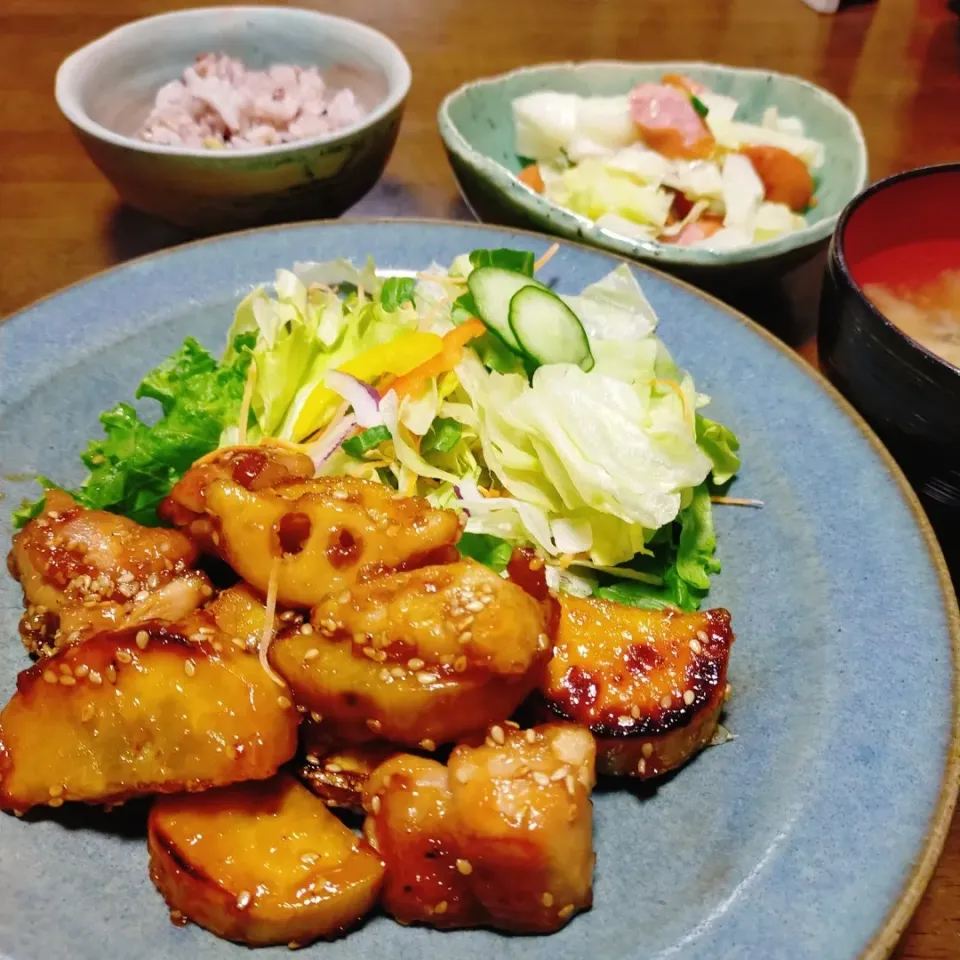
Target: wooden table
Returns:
[[895, 63]]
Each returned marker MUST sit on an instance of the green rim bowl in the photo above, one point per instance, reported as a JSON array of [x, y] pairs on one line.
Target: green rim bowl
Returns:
[[107, 88], [476, 124]]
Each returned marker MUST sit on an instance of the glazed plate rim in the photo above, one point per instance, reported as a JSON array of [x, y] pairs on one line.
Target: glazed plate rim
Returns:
[[924, 861]]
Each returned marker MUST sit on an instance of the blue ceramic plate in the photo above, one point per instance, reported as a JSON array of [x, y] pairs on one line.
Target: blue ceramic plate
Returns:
[[810, 837]]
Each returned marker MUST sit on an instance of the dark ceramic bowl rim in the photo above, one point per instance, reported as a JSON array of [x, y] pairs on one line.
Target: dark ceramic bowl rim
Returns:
[[839, 255]]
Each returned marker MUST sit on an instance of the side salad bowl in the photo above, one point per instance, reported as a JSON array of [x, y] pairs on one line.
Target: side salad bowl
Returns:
[[476, 125], [106, 90]]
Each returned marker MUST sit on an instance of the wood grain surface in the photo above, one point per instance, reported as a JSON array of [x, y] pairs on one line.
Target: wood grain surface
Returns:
[[894, 62]]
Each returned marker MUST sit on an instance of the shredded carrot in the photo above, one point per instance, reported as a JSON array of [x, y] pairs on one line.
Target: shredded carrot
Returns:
[[737, 501], [448, 357], [678, 390], [546, 258]]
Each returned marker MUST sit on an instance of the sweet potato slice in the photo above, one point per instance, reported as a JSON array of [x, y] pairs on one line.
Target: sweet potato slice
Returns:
[[420, 657], [331, 532], [501, 837], [261, 863], [141, 711], [649, 684]]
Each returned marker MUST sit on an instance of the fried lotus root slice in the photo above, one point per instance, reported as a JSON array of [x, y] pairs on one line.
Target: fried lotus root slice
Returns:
[[422, 658], [253, 467], [502, 837], [83, 571], [261, 863], [329, 532], [141, 711], [650, 684]]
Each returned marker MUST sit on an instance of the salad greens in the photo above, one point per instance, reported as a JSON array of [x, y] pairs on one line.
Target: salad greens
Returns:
[[606, 471]]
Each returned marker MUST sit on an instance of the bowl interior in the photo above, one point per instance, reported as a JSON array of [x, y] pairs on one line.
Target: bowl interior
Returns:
[[899, 233], [114, 80], [482, 113]]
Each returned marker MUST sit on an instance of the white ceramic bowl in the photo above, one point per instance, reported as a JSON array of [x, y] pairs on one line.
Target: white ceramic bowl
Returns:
[[106, 90]]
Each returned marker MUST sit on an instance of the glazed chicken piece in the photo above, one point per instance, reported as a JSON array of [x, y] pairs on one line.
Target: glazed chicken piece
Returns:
[[322, 535], [649, 684], [422, 658], [148, 709], [261, 863], [500, 837], [83, 571]]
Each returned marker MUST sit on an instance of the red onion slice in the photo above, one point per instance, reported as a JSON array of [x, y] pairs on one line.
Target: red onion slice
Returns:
[[361, 396], [328, 443]]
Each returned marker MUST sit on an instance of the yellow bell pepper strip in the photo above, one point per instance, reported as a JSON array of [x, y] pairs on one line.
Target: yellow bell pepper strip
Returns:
[[444, 361], [394, 358]]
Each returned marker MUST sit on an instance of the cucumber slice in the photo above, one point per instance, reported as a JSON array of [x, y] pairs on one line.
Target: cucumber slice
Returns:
[[547, 329], [493, 289]]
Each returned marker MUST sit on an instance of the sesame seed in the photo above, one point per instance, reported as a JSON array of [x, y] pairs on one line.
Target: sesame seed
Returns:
[[306, 629], [695, 647], [49, 676], [465, 867], [570, 784], [54, 514], [55, 802], [143, 638], [68, 681], [688, 697], [375, 803], [566, 912], [111, 673], [531, 735], [124, 656], [426, 678], [310, 858], [428, 745], [635, 712], [464, 775], [206, 590], [153, 581], [513, 725], [125, 576], [316, 717], [370, 652], [95, 678], [540, 778], [332, 767], [217, 646], [82, 670], [474, 606], [465, 637], [543, 641], [702, 636], [441, 907], [56, 790], [728, 690], [460, 664], [497, 735], [215, 537], [243, 901], [87, 713], [284, 702], [238, 643], [190, 668], [415, 663], [647, 749], [641, 766], [397, 672], [560, 773], [385, 675], [374, 725], [65, 669], [666, 701], [312, 758], [344, 597], [547, 899]]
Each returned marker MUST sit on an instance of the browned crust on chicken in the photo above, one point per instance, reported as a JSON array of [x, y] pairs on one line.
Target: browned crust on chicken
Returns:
[[420, 657], [84, 571], [501, 837], [140, 711], [261, 863], [649, 684]]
